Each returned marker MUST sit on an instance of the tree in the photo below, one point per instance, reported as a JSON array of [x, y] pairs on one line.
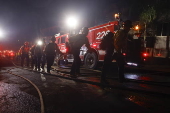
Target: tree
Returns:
[[147, 17]]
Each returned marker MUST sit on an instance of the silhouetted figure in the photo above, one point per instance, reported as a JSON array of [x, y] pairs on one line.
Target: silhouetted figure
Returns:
[[43, 59], [50, 51], [24, 50], [38, 52], [108, 56], [76, 43], [32, 56], [120, 44]]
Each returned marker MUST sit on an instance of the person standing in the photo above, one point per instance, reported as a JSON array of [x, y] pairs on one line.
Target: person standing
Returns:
[[50, 51], [120, 44], [76, 43], [32, 56], [24, 51], [108, 57], [38, 52], [43, 59]]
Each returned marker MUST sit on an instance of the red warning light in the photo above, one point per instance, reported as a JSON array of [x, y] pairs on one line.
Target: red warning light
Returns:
[[159, 54], [94, 45], [145, 54]]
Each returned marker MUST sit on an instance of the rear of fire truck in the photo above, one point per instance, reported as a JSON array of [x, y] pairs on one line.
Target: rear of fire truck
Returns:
[[135, 54]]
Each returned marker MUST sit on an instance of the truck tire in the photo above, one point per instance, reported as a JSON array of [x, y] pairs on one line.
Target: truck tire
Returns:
[[91, 61]]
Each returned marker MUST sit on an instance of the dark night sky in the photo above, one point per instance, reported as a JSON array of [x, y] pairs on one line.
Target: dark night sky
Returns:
[[22, 19]]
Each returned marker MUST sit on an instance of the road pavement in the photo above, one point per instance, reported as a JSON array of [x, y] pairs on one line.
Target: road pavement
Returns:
[[146, 91]]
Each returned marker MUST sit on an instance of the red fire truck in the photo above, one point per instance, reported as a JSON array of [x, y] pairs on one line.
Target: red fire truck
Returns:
[[94, 36]]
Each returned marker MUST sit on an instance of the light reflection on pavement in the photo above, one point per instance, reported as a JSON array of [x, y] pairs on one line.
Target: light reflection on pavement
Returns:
[[63, 93]]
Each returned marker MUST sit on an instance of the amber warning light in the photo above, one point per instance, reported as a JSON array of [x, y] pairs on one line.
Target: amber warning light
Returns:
[[136, 27], [117, 16]]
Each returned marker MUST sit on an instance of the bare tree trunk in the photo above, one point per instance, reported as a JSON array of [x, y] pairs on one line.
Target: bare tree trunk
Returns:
[[145, 38], [167, 46], [145, 33], [167, 41]]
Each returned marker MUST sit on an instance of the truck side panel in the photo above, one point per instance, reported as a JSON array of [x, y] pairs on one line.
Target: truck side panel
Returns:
[[96, 34]]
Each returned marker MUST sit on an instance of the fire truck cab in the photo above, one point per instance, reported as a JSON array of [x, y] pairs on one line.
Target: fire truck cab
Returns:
[[61, 40], [94, 36]]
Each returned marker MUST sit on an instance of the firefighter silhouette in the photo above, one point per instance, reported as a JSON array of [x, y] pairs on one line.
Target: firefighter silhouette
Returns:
[[50, 51], [32, 56], [43, 59], [24, 51], [120, 44], [77, 43], [38, 52], [108, 57], [39, 55]]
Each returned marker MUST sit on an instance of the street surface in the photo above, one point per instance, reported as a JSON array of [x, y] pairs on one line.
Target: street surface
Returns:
[[146, 91]]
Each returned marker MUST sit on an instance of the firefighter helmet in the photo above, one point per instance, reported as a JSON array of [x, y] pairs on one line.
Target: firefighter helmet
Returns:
[[127, 23], [26, 43], [53, 38], [85, 30]]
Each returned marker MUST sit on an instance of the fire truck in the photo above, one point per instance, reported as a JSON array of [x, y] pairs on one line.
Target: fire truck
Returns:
[[95, 35]]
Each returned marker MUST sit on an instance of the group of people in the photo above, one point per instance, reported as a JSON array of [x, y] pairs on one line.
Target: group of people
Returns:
[[119, 44], [47, 53], [40, 54]]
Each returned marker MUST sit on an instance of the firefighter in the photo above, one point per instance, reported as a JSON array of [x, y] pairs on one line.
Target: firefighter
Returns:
[[120, 44], [38, 52], [39, 55], [17, 56], [32, 56], [108, 57], [77, 43], [43, 59], [24, 50], [50, 51]]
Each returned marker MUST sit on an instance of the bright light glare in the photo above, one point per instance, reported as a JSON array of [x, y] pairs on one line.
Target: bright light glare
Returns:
[[132, 64], [132, 76], [1, 33], [39, 42], [137, 27], [72, 22], [117, 16], [145, 54]]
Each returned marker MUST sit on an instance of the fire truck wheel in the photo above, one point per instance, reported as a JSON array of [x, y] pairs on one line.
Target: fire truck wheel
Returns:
[[91, 60]]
